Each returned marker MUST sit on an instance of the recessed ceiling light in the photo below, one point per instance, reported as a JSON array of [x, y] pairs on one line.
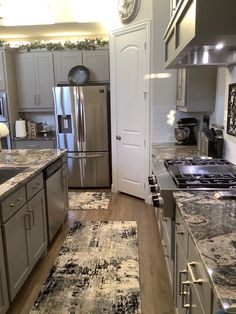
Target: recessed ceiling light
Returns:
[[219, 46]]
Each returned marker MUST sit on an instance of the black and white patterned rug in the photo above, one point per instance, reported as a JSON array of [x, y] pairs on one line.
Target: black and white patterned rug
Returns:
[[97, 271], [88, 200]]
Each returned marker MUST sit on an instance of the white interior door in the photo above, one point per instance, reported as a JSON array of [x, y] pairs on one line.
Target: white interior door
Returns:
[[131, 69]]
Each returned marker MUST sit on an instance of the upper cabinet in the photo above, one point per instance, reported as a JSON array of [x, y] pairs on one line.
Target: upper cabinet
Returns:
[[196, 89], [35, 79], [2, 73], [97, 61], [63, 62]]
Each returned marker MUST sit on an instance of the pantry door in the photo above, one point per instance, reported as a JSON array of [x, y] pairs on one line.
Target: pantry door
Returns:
[[131, 98]]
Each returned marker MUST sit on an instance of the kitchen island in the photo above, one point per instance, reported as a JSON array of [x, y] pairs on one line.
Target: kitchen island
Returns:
[[25, 213], [33, 160], [201, 231]]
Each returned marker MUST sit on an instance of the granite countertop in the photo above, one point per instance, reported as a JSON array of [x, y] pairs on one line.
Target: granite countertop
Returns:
[[212, 225], [172, 150], [34, 160], [38, 138]]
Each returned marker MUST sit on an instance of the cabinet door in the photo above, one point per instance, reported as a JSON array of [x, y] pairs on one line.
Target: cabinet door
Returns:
[[64, 62], [65, 187], [26, 81], [44, 79], [38, 231], [181, 87], [98, 64], [180, 276], [16, 237], [4, 302], [2, 72]]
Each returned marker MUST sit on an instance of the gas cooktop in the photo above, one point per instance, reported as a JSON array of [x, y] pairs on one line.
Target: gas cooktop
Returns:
[[196, 161], [204, 173]]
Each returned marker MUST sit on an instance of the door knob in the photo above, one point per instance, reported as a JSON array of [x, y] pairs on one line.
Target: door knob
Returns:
[[118, 137]]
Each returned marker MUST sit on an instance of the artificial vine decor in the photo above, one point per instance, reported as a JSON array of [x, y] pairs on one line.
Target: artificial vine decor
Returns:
[[86, 44]]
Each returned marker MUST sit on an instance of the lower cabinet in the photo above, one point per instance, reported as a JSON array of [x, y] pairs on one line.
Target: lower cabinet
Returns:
[[4, 302], [193, 293], [25, 240]]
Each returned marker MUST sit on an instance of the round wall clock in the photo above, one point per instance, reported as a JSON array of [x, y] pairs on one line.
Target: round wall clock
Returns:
[[128, 10]]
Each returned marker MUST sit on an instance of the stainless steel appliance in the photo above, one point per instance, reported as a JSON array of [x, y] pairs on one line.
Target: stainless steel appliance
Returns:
[[193, 173], [4, 118], [185, 133], [53, 176], [81, 116]]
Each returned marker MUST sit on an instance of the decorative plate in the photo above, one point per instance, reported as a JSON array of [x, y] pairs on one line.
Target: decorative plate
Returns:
[[79, 75]]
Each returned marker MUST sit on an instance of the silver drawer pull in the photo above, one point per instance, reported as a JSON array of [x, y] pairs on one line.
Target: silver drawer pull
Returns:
[[34, 145], [185, 294], [31, 211], [17, 202], [27, 221], [195, 281], [180, 232], [184, 271], [35, 186]]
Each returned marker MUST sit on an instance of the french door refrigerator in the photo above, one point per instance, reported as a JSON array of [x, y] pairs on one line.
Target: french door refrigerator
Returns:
[[81, 116]]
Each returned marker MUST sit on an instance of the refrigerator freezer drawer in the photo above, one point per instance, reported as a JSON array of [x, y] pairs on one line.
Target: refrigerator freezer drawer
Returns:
[[87, 170]]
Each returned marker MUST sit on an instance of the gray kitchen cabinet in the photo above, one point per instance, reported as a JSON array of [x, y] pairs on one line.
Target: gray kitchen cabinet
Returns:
[[35, 79], [193, 293], [25, 235], [65, 185], [196, 89], [2, 73], [97, 61], [4, 302], [34, 144], [64, 61]]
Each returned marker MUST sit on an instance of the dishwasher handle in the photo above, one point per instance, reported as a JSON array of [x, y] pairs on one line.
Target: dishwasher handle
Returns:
[[51, 169]]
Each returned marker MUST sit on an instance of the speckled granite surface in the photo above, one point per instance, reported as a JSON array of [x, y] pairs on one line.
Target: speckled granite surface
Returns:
[[212, 225], [172, 150], [33, 159]]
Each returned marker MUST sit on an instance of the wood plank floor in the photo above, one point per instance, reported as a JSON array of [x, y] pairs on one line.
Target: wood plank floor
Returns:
[[155, 290]]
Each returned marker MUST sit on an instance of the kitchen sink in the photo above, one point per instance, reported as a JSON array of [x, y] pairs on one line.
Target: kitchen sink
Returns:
[[8, 173]]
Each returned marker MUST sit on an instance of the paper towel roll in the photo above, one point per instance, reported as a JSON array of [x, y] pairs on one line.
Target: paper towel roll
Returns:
[[20, 128]]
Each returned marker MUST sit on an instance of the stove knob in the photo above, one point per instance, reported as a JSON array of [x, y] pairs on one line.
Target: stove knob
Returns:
[[158, 201], [152, 180], [154, 188]]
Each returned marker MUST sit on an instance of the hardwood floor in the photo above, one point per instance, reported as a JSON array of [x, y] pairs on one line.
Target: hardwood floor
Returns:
[[155, 290]]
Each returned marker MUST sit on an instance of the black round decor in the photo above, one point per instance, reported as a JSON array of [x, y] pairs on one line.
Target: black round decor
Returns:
[[79, 75]]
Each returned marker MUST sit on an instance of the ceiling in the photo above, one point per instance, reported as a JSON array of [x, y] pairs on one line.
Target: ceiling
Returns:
[[29, 20]]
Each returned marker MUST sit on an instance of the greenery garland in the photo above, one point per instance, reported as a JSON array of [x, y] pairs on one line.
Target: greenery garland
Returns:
[[86, 44]]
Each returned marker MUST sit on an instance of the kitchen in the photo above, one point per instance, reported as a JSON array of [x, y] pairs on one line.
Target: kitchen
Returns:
[[163, 102]]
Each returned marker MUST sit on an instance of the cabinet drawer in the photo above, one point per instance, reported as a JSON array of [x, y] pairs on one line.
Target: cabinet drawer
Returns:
[[11, 204], [34, 186], [181, 231], [35, 144], [198, 277]]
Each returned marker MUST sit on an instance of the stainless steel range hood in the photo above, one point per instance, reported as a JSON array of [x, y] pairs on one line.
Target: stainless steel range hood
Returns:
[[200, 33]]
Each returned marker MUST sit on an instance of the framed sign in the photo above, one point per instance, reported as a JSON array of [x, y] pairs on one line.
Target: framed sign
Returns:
[[231, 115]]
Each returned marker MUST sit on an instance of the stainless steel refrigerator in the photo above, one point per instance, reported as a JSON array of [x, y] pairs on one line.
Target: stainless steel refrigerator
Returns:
[[82, 127]]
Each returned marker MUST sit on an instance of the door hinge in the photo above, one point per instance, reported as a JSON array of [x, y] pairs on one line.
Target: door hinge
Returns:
[[144, 142], [145, 45]]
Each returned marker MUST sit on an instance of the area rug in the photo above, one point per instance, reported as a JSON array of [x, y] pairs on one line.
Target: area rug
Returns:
[[97, 271], [89, 200]]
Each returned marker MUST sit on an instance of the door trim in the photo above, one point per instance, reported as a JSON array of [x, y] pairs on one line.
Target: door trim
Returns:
[[147, 26]]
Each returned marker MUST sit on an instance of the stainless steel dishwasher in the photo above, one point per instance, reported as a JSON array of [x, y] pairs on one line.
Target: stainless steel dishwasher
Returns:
[[55, 202]]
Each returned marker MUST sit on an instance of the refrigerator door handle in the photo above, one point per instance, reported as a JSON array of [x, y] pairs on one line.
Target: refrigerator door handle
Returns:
[[82, 116], [85, 157], [77, 119]]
